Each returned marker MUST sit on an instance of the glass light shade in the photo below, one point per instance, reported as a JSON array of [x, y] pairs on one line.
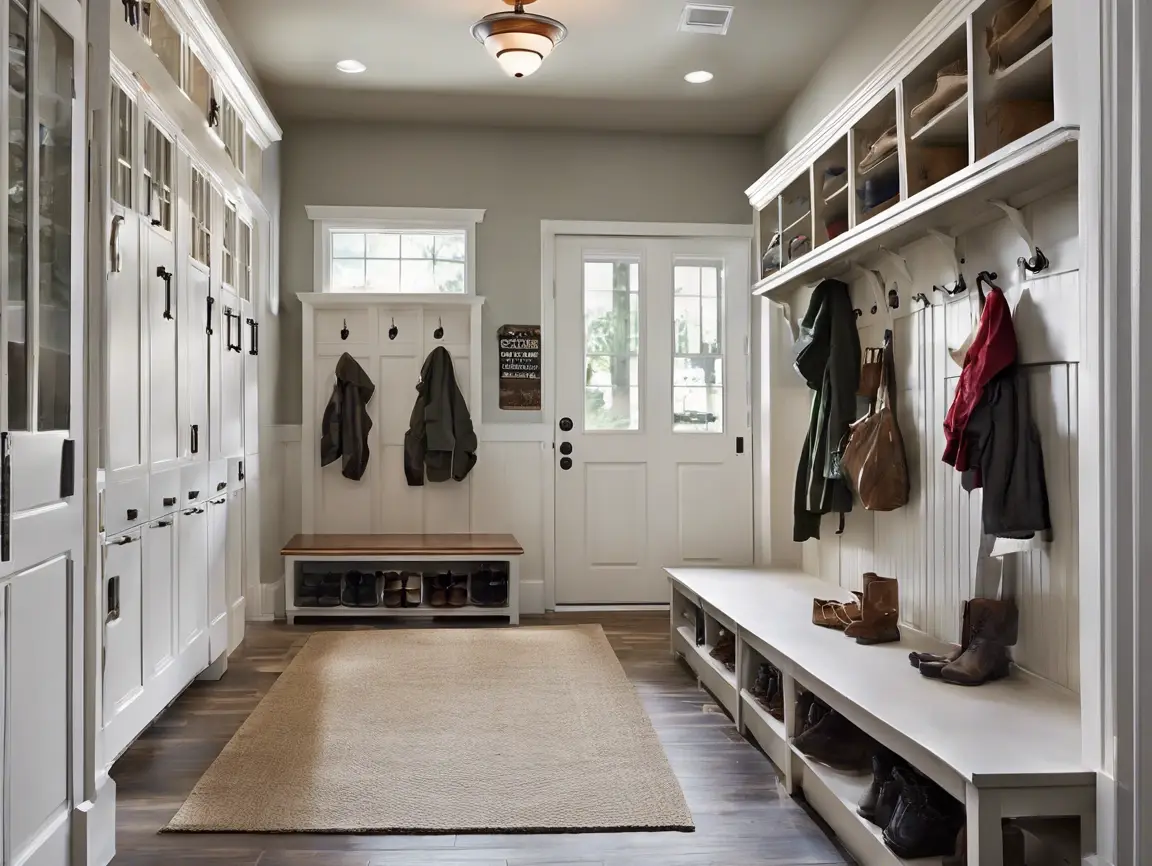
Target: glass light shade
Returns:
[[519, 54]]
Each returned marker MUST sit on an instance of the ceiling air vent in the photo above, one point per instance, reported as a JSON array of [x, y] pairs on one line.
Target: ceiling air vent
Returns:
[[706, 18]]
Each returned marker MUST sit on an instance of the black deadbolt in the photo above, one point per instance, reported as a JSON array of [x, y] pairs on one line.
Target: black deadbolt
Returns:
[[565, 447], [565, 424], [565, 463]]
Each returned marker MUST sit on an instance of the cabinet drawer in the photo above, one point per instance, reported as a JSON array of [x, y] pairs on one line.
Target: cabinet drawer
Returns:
[[217, 478], [360, 322], [194, 483], [125, 505], [164, 493]]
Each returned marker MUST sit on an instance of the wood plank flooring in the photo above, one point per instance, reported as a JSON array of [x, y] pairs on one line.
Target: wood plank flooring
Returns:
[[743, 817]]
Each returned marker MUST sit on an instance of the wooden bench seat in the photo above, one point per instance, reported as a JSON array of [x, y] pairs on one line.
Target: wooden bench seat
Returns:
[[479, 544]]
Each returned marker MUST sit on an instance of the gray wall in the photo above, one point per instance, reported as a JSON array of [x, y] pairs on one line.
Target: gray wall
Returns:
[[880, 29], [520, 177]]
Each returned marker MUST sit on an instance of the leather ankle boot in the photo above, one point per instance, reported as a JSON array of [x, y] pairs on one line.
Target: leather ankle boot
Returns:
[[965, 636], [926, 820], [763, 681], [837, 742], [883, 763], [994, 629], [775, 702], [829, 613], [880, 612]]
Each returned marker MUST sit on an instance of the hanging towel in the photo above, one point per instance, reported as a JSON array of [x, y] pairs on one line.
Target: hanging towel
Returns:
[[440, 442], [344, 430]]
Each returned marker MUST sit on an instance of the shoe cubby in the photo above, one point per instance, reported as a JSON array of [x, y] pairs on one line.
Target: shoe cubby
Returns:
[[796, 219], [763, 693], [700, 655], [938, 114], [876, 156], [770, 251], [832, 198]]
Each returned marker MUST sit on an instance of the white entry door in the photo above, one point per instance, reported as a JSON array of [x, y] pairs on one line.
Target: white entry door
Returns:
[[653, 450], [42, 428]]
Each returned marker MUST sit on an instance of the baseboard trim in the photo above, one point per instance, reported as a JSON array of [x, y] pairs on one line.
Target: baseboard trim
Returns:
[[531, 596], [94, 826], [608, 608]]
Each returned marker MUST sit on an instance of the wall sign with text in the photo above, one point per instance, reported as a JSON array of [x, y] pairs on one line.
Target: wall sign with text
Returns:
[[519, 367]]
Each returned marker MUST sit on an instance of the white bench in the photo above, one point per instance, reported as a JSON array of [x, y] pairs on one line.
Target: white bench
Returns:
[[1008, 749]]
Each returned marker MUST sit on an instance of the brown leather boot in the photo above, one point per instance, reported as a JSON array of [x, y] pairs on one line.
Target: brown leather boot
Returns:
[[829, 613], [994, 628], [880, 612], [965, 636], [835, 741]]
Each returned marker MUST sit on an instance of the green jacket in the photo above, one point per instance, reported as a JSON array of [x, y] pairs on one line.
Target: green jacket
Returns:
[[440, 441], [828, 357]]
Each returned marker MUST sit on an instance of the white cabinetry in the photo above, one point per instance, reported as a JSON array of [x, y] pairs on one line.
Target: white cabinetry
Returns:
[[123, 645], [192, 575], [195, 325], [217, 576], [159, 596], [236, 545], [162, 373]]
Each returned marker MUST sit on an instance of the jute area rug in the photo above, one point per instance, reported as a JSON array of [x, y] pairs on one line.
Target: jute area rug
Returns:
[[520, 730]]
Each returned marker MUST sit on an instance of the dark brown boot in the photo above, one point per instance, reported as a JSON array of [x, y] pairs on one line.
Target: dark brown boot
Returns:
[[994, 629], [965, 636], [837, 742], [880, 612]]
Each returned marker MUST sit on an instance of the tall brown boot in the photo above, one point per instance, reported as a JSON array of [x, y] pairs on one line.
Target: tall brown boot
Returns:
[[880, 611], [917, 659], [995, 627]]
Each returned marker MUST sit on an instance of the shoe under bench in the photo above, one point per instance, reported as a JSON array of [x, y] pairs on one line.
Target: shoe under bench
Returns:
[[1007, 749], [459, 553]]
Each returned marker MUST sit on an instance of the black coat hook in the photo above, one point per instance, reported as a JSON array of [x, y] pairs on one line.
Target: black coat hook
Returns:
[[875, 307], [983, 277], [893, 299], [344, 331], [857, 312], [393, 332], [439, 332], [959, 289], [922, 298], [1037, 263]]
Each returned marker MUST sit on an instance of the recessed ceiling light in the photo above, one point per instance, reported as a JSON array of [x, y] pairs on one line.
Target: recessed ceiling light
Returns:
[[699, 77], [352, 67]]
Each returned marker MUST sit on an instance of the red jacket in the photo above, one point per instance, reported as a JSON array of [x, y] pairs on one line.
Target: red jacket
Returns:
[[992, 351]]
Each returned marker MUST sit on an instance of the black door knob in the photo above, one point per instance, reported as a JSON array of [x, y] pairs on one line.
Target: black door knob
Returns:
[[565, 447], [565, 424], [565, 463]]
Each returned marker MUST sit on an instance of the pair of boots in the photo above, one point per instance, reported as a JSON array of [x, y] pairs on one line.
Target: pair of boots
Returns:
[[448, 590], [809, 711], [872, 618], [359, 590], [725, 649], [919, 818], [988, 628], [768, 690], [835, 741]]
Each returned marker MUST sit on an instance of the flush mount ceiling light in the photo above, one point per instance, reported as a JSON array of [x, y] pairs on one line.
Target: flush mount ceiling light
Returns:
[[700, 76], [352, 67], [519, 40]]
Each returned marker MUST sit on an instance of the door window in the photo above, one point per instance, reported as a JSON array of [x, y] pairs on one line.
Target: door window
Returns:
[[697, 345], [158, 176], [17, 297], [612, 395]]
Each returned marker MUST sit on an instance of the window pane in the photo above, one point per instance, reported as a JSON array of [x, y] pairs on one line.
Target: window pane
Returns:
[[698, 410], [709, 281], [417, 246], [54, 76], [450, 248], [687, 326], [698, 364], [16, 302], [611, 345], [347, 246], [416, 276], [347, 274], [450, 277], [383, 246], [710, 325], [687, 280], [384, 275], [699, 371]]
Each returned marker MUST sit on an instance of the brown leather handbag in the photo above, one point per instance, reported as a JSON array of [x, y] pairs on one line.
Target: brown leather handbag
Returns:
[[874, 462], [870, 372]]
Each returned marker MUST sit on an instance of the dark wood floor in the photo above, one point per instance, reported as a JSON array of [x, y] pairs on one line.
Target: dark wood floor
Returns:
[[742, 815]]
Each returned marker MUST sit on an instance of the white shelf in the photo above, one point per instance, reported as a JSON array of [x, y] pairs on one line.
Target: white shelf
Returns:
[[950, 126], [365, 612], [1023, 172], [720, 681], [881, 165], [797, 223], [835, 795], [834, 199], [767, 731], [1031, 75]]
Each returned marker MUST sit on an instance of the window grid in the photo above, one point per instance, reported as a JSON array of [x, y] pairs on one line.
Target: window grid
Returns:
[[123, 135], [158, 176], [698, 352], [201, 218], [417, 261], [612, 343], [243, 262], [229, 258]]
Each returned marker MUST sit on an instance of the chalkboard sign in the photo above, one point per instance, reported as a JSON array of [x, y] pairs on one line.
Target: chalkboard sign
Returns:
[[519, 367]]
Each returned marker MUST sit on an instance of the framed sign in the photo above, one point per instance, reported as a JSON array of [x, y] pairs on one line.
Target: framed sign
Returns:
[[519, 367]]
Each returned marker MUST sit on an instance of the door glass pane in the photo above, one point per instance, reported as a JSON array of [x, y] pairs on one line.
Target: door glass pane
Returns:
[[16, 303], [698, 352], [612, 345], [54, 82]]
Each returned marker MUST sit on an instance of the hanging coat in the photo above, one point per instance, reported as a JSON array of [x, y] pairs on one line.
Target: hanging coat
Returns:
[[828, 357], [440, 442], [344, 430]]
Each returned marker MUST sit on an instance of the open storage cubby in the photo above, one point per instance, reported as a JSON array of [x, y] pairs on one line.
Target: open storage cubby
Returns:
[[832, 199], [710, 673], [876, 155], [796, 218], [771, 256], [937, 108]]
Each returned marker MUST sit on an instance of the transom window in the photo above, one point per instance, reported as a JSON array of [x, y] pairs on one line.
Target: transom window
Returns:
[[395, 250]]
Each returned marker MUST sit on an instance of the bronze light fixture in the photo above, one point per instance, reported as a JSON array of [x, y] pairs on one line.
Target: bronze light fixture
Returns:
[[519, 40]]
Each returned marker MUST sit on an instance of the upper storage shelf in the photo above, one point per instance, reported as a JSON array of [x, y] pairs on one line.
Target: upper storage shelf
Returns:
[[972, 107]]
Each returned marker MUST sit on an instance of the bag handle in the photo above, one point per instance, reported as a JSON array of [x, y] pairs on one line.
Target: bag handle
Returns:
[[886, 396]]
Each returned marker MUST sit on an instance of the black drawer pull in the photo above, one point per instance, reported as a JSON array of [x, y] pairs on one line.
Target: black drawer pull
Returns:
[[210, 300], [192, 511], [166, 275], [221, 485], [113, 613], [195, 439], [160, 524], [254, 328], [192, 494], [133, 513], [127, 539], [169, 501]]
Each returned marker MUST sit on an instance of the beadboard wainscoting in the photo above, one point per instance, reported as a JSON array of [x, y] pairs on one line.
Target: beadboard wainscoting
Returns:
[[931, 544], [504, 493]]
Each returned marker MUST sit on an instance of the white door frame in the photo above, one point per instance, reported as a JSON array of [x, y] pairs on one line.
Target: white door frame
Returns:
[[549, 231]]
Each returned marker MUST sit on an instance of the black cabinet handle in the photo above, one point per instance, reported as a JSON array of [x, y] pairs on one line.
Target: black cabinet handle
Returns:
[[160, 524], [113, 613], [221, 485], [209, 302], [67, 468], [192, 494], [127, 539], [169, 501], [240, 471], [166, 275], [133, 513], [254, 327], [219, 501], [195, 438], [192, 511], [229, 316], [739, 444]]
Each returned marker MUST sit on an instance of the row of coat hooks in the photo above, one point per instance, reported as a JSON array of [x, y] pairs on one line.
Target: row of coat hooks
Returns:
[[394, 331]]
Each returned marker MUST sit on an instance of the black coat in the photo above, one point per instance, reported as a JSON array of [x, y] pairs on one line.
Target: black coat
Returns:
[[344, 430], [440, 441], [828, 357]]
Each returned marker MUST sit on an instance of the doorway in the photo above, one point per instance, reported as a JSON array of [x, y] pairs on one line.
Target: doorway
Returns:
[[653, 458]]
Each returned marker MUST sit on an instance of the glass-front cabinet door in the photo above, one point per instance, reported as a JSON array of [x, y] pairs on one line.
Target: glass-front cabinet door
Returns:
[[42, 157]]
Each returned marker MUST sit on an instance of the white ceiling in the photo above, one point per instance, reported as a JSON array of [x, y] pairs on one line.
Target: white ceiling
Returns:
[[621, 67]]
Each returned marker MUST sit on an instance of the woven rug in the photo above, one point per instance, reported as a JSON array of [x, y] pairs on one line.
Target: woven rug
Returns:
[[519, 730]]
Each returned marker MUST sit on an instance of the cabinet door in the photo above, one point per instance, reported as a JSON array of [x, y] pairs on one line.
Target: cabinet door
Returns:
[[251, 380], [123, 622], [253, 552], [236, 546], [125, 447], [160, 285], [160, 594], [193, 576], [229, 355], [194, 339], [217, 576]]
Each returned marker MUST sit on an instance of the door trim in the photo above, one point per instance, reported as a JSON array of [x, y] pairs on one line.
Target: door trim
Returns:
[[550, 230]]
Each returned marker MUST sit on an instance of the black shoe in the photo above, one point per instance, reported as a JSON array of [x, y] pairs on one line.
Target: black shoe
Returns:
[[350, 594], [369, 593], [926, 820], [883, 763], [763, 681]]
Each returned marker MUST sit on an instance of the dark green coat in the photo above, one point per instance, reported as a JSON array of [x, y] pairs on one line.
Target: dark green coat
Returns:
[[828, 357], [440, 441]]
